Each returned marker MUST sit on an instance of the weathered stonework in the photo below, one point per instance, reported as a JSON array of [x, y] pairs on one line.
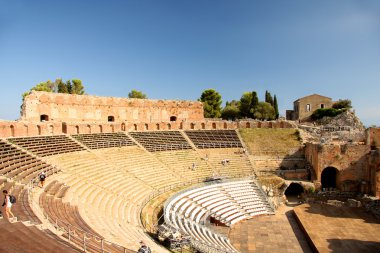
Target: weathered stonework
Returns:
[[304, 107], [58, 107]]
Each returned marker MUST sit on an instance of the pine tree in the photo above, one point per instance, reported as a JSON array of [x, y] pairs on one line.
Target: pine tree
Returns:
[[275, 105]]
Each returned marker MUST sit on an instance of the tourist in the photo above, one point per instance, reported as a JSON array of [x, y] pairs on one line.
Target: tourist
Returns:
[[143, 248], [42, 177], [7, 206]]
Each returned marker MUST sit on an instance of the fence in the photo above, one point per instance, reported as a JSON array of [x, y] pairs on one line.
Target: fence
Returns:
[[83, 240]]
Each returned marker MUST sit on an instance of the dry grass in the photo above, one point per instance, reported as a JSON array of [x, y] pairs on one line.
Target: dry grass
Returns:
[[277, 141]]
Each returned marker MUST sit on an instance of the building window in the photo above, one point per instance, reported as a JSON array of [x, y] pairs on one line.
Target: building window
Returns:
[[111, 118], [308, 107], [322, 106], [173, 118], [44, 117]]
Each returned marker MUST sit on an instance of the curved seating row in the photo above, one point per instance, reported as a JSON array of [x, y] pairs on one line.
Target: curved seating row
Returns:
[[161, 140], [227, 202], [104, 140], [214, 138], [47, 145]]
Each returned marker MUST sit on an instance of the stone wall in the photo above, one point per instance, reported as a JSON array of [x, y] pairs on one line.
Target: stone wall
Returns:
[[46, 106], [373, 139], [25, 128], [350, 160]]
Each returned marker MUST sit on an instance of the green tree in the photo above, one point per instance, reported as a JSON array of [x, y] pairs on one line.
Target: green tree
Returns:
[[43, 86], [211, 103], [77, 87], [264, 111], [342, 104], [62, 88], [245, 105], [254, 101], [275, 106], [268, 98], [69, 86], [136, 94], [231, 110]]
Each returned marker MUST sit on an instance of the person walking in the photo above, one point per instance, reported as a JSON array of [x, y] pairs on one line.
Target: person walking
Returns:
[[42, 177], [143, 248], [7, 206]]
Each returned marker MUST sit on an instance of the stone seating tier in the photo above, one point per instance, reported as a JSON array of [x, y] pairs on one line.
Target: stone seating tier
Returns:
[[47, 145], [161, 140], [104, 140]]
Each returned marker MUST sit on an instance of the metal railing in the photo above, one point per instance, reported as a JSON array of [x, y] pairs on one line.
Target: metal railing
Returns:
[[85, 241]]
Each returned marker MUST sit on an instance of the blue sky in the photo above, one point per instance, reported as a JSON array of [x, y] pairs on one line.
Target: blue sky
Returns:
[[174, 49]]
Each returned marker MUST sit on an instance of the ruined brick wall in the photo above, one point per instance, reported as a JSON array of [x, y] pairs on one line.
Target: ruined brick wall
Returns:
[[69, 108], [351, 161], [373, 136]]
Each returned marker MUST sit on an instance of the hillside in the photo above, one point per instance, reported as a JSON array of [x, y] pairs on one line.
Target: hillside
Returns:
[[271, 141]]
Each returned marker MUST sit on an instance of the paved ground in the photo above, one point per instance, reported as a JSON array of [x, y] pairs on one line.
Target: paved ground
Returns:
[[275, 233], [344, 229]]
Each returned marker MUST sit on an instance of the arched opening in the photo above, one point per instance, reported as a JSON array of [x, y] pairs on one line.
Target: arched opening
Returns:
[[181, 125], [282, 124], [88, 129], [158, 126], [173, 118], [123, 127], [214, 125], [203, 125], [192, 126], [12, 131], [112, 128], [77, 129], [328, 178], [146, 127], [225, 125], [51, 129], [111, 118], [100, 129], [270, 125], [293, 193], [64, 128], [135, 127], [259, 124], [247, 125], [44, 117], [169, 126], [39, 130]]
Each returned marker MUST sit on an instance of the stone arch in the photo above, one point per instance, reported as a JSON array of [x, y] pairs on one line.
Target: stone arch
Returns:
[[26, 130], [64, 128], [12, 127], [213, 125], [294, 189], [44, 117], [259, 124], [51, 129], [157, 126], [77, 129], [112, 128], [88, 129], [247, 125], [270, 125], [181, 125], [39, 130], [282, 125], [123, 127], [146, 127], [192, 126], [225, 125], [203, 125], [135, 127], [329, 177], [169, 127], [100, 129]]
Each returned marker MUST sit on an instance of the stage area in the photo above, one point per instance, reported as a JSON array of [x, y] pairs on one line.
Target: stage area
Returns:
[[339, 229], [269, 234]]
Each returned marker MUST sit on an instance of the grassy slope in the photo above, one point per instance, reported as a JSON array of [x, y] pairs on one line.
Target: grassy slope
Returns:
[[261, 140]]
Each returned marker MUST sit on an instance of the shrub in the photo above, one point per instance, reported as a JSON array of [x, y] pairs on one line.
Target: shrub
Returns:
[[326, 112]]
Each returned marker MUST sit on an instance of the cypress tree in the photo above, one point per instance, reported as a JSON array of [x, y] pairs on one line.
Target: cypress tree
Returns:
[[275, 105]]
